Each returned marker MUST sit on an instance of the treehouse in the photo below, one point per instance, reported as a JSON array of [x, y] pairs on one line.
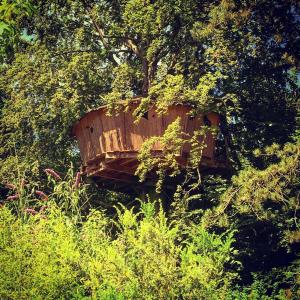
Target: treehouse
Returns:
[[109, 145]]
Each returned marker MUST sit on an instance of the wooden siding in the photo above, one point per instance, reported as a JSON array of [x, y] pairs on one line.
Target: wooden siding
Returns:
[[109, 144]]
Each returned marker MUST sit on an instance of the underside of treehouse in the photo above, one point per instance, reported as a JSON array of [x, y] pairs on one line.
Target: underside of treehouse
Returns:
[[109, 145]]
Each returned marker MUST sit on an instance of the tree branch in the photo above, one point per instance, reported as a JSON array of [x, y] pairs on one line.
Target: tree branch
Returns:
[[134, 48], [128, 42], [100, 32]]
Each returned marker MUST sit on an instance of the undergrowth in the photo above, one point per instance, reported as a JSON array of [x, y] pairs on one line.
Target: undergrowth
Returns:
[[52, 250]]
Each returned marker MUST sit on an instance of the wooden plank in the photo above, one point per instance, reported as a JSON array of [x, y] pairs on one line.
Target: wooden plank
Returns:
[[123, 131], [81, 143], [109, 132], [121, 154], [155, 123], [85, 131], [96, 159], [94, 130], [128, 161], [119, 131], [114, 176], [129, 126], [137, 133], [114, 168]]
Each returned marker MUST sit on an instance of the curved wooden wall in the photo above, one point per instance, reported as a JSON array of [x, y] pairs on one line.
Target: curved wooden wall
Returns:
[[104, 139]]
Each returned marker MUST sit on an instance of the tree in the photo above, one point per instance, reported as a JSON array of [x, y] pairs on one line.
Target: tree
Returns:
[[238, 58], [12, 15]]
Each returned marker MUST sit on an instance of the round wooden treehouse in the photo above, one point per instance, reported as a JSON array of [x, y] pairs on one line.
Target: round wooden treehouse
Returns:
[[109, 145]]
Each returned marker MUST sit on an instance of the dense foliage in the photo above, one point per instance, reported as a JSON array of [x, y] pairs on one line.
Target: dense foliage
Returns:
[[50, 252], [214, 237]]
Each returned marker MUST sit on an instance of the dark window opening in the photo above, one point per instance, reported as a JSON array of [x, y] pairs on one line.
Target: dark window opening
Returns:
[[145, 115], [206, 121]]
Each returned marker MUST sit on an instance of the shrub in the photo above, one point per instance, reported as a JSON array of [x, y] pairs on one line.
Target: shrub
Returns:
[[137, 256], [39, 258]]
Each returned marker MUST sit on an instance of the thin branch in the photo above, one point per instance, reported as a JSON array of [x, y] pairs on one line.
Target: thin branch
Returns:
[[127, 41], [73, 51], [135, 49], [100, 32]]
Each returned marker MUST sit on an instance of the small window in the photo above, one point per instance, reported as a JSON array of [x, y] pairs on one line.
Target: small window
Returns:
[[206, 121], [145, 116]]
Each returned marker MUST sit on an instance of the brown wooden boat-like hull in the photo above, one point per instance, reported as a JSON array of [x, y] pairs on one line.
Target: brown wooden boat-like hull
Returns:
[[109, 145]]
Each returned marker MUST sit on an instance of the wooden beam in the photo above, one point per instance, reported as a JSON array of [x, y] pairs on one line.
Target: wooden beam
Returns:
[[117, 176], [115, 168]]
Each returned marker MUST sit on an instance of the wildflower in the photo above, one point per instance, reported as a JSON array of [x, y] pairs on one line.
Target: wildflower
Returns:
[[43, 208], [52, 173], [30, 211], [77, 180], [13, 197], [11, 186], [22, 183], [42, 195]]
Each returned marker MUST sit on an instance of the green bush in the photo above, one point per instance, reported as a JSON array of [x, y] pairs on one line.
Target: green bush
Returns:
[[52, 248], [39, 257], [137, 256]]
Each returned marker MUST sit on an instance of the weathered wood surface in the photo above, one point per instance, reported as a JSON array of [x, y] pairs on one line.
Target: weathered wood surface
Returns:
[[109, 145]]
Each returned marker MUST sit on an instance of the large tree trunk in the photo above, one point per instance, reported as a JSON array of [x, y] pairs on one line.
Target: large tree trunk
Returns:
[[146, 86], [149, 70]]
